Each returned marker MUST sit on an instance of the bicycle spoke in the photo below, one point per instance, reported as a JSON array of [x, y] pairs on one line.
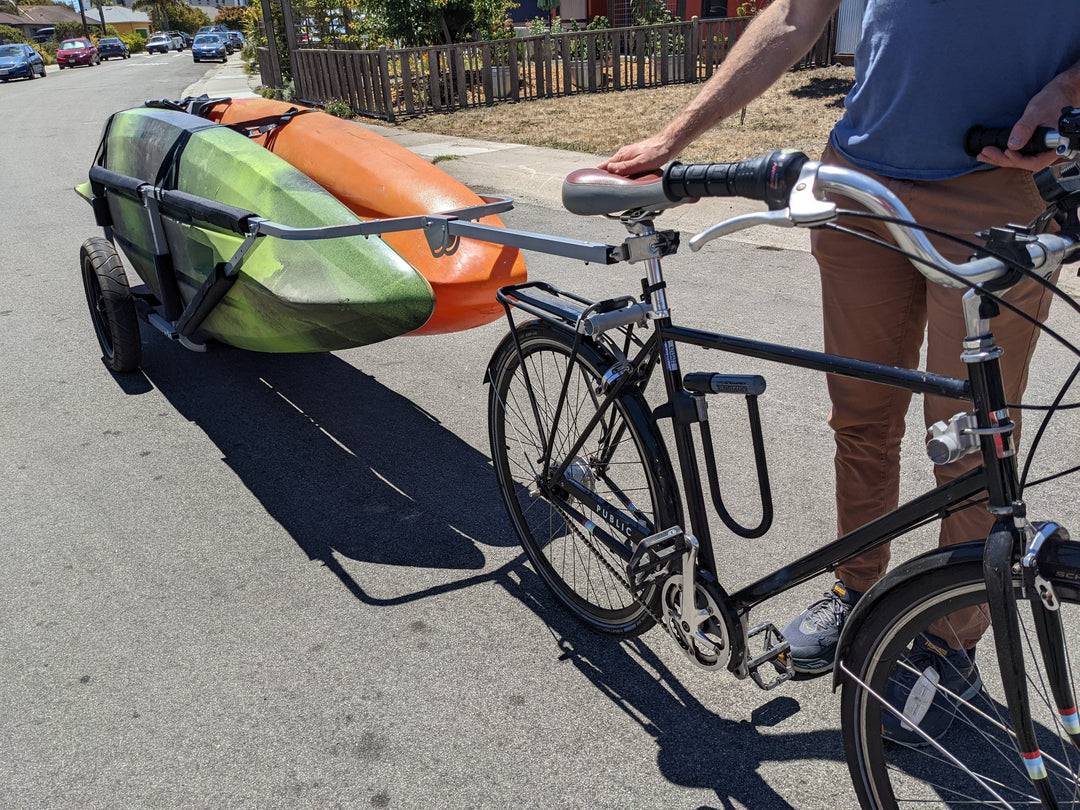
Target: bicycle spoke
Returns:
[[562, 506], [974, 759]]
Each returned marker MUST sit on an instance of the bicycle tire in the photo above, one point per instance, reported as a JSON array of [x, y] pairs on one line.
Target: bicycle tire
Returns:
[[579, 570], [889, 775]]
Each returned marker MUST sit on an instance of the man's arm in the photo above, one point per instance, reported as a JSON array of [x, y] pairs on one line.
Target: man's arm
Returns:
[[777, 38], [1043, 110]]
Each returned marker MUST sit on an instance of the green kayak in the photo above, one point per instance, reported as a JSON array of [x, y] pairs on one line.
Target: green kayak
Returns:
[[291, 295]]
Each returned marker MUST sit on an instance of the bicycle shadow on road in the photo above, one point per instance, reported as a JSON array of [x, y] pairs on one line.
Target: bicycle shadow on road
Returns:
[[349, 467], [696, 747], [344, 464]]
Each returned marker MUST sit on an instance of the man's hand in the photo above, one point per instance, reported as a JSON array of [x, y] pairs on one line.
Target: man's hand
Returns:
[[651, 153], [1044, 109]]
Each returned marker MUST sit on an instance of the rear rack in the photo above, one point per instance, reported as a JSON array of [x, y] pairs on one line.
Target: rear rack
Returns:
[[564, 309]]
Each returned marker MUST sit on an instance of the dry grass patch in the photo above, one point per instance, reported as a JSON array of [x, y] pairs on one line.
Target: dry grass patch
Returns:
[[797, 112]]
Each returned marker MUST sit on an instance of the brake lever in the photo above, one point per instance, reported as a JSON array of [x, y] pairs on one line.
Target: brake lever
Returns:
[[804, 210], [780, 219]]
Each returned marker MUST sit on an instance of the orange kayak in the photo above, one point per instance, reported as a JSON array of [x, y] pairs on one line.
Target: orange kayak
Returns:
[[377, 179]]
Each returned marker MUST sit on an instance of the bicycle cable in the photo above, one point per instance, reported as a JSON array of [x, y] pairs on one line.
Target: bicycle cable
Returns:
[[1054, 289], [1049, 410], [964, 242]]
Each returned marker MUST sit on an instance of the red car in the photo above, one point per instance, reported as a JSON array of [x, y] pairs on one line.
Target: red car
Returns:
[[77, 52]]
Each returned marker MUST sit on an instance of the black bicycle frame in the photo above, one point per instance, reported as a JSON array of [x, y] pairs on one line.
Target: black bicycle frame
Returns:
[[932, 505]]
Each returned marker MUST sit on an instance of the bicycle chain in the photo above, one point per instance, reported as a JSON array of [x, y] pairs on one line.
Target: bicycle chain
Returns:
[[585, 536], [681, 642], [573, 524]]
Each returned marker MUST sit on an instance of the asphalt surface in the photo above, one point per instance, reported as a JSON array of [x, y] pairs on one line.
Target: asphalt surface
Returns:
[[242, 580]]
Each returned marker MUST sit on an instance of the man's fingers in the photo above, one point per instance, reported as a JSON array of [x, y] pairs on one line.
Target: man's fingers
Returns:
[[1021, 134]]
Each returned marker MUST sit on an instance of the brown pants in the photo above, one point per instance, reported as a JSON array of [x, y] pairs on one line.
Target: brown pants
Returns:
[[877, 307]]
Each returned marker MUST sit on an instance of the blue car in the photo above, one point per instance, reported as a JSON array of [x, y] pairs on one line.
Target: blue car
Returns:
[[20, 61], [209, 46], [109, 47]]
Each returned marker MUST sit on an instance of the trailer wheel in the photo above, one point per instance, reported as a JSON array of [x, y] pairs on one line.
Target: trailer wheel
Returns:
[[112, 308]]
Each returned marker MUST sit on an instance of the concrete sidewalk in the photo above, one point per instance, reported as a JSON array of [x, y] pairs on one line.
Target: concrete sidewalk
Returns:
[[530, 174]]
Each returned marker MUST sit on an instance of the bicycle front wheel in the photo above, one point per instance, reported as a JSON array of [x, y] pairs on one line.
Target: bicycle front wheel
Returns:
[[975, 761], [578, 544]]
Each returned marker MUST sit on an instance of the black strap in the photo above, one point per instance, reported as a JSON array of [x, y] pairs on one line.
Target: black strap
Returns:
[[260, 126], [166, 175]]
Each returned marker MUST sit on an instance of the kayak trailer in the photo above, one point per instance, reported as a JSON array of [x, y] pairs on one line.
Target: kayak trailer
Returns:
[[172, 304]]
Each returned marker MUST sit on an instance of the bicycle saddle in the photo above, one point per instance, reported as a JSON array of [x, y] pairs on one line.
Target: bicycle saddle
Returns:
[[593, 191]]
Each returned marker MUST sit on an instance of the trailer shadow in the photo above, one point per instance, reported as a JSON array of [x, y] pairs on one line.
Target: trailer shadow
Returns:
[[344, 464]]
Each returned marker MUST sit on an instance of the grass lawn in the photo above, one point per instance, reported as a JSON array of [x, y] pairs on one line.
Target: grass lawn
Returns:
[[797, 112]]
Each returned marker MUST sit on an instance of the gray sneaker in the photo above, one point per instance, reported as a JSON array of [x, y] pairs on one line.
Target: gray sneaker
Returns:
[[928, 684], [814, 633]]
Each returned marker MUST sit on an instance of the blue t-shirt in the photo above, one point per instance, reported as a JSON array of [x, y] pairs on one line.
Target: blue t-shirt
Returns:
[[928, 70]]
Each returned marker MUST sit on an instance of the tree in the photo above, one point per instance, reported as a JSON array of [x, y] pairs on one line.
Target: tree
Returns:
[[8, 7], [172, 15], [232, 17], [159, 18]]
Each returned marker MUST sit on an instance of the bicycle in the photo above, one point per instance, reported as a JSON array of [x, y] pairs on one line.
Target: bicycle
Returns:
[[623, 539]]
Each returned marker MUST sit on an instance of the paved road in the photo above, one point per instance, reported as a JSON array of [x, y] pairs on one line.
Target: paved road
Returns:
[[239, 580]]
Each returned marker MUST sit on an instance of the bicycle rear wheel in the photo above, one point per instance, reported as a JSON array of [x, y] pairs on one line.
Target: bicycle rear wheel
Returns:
[[622, 462], [975, 763]]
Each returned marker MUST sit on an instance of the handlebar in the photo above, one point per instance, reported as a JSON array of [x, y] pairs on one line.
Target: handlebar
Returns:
[[768, 178], [978, 138], [1065, 140], [805, 194]]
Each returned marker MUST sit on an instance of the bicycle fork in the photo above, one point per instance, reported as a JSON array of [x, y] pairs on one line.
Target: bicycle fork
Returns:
[[994, 432]]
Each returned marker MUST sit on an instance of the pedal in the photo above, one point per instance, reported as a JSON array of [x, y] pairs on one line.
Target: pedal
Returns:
[[774, 651], [653, 558]]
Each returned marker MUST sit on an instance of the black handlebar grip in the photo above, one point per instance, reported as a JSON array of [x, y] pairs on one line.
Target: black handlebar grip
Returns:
[[769, 178], [979, 137]]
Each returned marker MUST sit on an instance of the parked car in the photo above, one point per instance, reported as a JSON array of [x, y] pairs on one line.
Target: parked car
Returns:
[[180, 36], [209, 46], [77, 52], [110, 47], [20, 61], [43, 35], [163, 43]]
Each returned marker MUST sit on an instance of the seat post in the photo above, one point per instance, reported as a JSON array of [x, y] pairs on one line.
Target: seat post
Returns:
[[640, 224]]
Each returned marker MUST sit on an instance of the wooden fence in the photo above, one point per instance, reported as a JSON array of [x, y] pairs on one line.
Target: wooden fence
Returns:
[[391, 84]]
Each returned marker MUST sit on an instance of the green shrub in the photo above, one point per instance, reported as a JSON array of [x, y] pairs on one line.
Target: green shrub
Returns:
[[10, 34], [286, 93], [68, 30], [339, 108], [136, 42]]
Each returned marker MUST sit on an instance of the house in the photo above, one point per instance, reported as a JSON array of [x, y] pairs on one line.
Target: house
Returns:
[[31, 19], [621, 12], [124, 20]]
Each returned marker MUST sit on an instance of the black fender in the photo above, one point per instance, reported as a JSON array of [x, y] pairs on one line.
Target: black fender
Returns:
[[1058, 563], [969, 552]]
